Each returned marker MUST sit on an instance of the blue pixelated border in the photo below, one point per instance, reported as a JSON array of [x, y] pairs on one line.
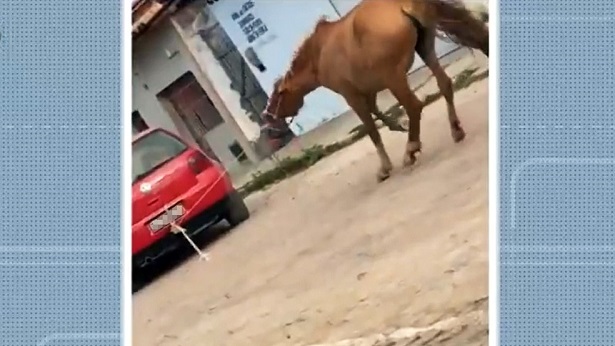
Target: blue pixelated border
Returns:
[[556, 172], [60, 145]]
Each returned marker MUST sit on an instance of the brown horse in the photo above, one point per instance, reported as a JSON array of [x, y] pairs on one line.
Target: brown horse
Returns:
[[371, 49]]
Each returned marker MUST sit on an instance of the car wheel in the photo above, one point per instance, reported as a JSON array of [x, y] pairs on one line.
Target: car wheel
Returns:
[[236, 210], [138, 280]]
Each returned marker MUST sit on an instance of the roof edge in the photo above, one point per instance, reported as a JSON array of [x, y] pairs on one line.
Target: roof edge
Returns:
[[145, 13]]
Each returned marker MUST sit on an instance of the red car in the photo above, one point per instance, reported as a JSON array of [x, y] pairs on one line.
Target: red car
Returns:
[[173, 181]]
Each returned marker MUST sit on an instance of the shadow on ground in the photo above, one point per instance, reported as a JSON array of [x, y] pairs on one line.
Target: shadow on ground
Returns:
[[174, 259]]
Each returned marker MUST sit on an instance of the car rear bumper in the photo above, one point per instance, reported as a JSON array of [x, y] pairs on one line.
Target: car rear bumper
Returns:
[[171, 241], [199, 200]]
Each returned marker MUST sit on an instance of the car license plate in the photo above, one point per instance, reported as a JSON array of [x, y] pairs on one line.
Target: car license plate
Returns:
[[166, 218]]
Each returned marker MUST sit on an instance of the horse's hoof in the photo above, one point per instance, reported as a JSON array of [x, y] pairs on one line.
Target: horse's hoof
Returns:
[[383, 175], [409, 160], [413, 147], [458, 134]]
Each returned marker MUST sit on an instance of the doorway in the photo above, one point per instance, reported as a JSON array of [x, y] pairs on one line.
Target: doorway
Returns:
[[192, 105]]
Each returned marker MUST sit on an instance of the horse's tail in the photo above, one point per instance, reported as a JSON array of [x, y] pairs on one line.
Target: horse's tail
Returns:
[[479, 11], [460, 24]]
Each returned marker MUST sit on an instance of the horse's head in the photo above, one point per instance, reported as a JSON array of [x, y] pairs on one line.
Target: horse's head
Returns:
[[301, 79], [286, 99]]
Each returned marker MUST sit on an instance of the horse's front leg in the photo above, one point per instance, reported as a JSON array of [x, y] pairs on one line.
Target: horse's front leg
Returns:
[[361, 106]]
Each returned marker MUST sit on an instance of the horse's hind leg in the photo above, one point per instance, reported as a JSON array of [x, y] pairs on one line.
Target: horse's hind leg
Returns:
[[413, 106], [426, 50], [361, 105], [387, 120]]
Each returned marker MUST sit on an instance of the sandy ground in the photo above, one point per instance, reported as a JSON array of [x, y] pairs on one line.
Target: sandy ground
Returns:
[[330, 254]]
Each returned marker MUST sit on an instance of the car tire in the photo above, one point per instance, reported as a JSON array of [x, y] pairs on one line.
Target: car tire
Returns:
[[236, 209], [138, 279]]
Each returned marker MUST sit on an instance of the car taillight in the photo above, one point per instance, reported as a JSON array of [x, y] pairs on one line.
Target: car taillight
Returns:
[[198, 163]]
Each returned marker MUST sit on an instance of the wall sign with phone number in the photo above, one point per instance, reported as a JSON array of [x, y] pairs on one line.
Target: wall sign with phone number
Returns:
[[251, 26]]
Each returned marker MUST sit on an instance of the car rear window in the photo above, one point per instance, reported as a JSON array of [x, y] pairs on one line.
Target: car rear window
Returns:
[[152, 151]]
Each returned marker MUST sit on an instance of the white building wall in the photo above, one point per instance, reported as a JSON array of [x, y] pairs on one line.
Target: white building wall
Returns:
[[204, 58]]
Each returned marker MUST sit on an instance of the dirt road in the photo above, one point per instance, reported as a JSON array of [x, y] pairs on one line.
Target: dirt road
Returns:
[[330, 254]]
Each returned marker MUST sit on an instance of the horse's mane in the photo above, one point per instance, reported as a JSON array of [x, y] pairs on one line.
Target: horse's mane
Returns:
[[301, 56]]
